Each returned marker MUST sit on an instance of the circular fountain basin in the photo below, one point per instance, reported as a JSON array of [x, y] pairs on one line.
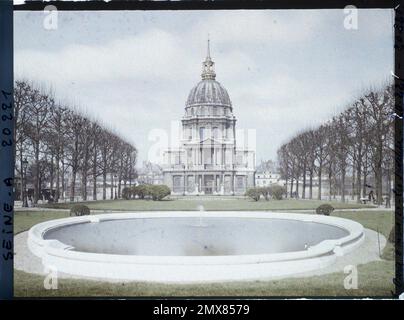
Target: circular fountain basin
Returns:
[[193, 246]]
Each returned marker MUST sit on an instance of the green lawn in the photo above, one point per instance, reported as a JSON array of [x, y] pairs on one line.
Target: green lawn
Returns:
[[23, 220], [228, 204], [375, 278]]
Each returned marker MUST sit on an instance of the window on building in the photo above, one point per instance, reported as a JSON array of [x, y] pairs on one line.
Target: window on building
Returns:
[[177, 159], [228, 156], [227, 132], [177, 183], [215, 133], [240, 182], [202, 133], [239, 159], [207, 155], [189, 153]]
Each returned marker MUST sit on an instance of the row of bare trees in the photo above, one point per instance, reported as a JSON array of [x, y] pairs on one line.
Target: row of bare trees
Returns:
[[55, 142], [354, 150]]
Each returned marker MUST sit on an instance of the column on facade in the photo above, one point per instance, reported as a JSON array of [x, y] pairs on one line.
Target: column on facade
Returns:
[[200, 160], [202, 183], [224, 155]]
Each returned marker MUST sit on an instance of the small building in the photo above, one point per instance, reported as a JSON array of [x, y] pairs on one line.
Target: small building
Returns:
[[150, 173], [267, 178]]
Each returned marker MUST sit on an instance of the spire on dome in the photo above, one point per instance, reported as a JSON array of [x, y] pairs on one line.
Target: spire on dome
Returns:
[[208, 55], [208, 66]]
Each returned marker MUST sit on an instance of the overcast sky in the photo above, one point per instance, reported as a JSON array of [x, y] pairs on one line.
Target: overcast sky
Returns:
[[284, 70]]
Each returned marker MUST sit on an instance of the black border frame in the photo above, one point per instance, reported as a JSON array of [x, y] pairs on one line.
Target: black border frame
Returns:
[[6, 85]]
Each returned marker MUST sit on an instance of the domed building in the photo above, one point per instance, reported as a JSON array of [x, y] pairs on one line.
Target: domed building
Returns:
[[209, 161]]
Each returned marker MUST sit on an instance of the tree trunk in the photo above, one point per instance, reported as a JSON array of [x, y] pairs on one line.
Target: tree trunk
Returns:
[[353, 183], [343, 174], [286, 187], [73, 185], [365, 174], [330, 185], [23, 177], [112, 186], [51, 177], [95, 174], [378, 174], [119, 187], [104, 185], [364, 193], [319, 180], [378, 180], [84, 185], [36, 175], [304, 182], [57, 193], [311, 185], [389, 183], [358, 176], [63, 181], [291, 188]]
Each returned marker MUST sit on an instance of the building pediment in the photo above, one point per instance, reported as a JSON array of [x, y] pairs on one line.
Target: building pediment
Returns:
[[208, 142]]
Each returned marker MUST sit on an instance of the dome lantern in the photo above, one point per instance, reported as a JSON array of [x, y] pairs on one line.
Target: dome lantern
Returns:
[[208, 67]]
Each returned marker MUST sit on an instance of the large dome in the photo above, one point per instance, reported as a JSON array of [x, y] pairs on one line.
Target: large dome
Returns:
[[210, 92]]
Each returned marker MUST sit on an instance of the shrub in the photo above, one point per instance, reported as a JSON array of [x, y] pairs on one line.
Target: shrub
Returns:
[[325, 209], [127, 193], [142, 191], [134, 191], [158, 192], [79, 210], [277, 192], [265, 191], [254, 193]]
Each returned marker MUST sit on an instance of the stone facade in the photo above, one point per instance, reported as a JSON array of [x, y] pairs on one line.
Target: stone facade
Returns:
[[209, 160]]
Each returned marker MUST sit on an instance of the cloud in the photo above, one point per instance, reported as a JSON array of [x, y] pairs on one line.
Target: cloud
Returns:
[[151, 56], [284, 70], [244, 27]]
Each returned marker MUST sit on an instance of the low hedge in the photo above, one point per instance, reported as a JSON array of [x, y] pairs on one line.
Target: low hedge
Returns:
[[254, 193], [156, 192], [79, 210], [277, 192], [127, 193], [272, 192], [325, 209], [159, 192]]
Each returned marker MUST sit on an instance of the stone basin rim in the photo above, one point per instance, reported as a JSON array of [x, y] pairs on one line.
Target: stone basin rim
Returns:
[[43, 247]]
